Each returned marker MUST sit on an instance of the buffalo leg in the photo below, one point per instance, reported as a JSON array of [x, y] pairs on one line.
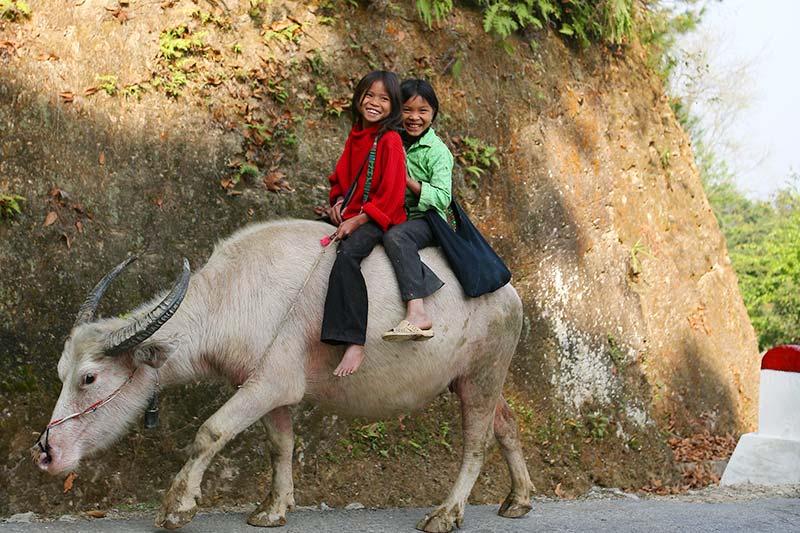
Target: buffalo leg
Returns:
[[477, 413], [272, 511], [247, 405], [518, 501]]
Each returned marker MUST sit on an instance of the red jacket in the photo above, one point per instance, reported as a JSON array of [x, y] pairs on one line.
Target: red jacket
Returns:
[[388, 188]]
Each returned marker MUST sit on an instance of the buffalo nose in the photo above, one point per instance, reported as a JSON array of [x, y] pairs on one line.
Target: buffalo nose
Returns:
[[41, 459]]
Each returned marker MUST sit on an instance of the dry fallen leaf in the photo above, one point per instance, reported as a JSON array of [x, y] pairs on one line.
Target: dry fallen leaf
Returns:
[[67, 96], [102, 158], [119, 13], [50, 218], [559, 492], [89, 91], [95, 513], [70, 479], [79, 226]]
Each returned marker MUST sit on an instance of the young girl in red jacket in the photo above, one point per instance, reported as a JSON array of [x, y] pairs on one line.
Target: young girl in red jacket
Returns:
[[363, 208]]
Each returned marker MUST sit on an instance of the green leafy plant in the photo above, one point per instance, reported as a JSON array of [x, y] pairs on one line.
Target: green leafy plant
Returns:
[[316, 62], [582, 20], [430, 10], [209, 18], [133, 90], [178, 42], [504, 17], [255, 10], [666, 157], [762, 239], [614, 351], [108, 84], [14, 10], [478, 153], [636, 250], [10, 205], [283, 32], [597, 425]]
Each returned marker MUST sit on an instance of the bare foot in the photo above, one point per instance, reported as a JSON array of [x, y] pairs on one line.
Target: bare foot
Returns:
[[351, 360], [415, 314]]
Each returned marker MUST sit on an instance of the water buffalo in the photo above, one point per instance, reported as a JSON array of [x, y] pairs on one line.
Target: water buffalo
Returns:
[[252, 316]]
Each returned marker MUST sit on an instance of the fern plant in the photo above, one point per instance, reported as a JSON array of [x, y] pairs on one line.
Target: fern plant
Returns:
[[9, 205], [582, 20], [430, 10]]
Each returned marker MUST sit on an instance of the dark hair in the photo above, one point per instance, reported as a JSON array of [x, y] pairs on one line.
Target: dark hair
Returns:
[[392, 86], [416, 87]]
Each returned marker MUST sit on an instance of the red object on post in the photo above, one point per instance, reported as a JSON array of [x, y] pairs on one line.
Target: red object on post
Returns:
[[784, 358]]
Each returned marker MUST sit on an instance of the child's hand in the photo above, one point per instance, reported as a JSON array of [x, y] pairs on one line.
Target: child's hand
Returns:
[[347, 227], [336, 212], [322, 210]]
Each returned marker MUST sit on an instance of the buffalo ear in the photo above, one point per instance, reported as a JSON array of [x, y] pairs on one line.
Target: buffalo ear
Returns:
[[154, 354]]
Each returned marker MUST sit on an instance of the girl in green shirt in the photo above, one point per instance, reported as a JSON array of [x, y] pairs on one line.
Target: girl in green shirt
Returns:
[[429, 166]]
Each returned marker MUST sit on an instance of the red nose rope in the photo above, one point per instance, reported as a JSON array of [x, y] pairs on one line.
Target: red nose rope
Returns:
[[91, 409]]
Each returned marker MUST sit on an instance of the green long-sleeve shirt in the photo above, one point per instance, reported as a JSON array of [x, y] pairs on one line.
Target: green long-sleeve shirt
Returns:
[[430, 162]]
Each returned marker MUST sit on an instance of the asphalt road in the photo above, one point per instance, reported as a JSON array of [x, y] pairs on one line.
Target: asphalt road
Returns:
[[617, 515]]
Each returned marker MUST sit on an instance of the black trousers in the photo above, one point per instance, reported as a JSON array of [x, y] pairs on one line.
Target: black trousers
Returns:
[[403, 243], [345, 317]]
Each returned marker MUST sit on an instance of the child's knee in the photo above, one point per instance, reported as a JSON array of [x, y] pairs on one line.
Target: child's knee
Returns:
[[394, 241]]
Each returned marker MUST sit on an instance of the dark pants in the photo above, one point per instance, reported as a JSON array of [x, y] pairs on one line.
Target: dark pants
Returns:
[[402, 244], [346, 306]]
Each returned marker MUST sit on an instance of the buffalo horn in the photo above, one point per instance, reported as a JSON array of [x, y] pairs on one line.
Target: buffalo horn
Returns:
[[137, 331], [89, 307]]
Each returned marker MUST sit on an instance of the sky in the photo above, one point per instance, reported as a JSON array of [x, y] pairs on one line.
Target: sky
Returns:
[[753, 50]]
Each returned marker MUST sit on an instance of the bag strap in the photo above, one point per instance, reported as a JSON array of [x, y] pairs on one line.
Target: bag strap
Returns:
[[370, 167], [369, 161]]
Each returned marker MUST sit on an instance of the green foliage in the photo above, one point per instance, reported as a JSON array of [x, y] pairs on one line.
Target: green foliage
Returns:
[[14, 10], [475, 156], [209, 18], [108, 84], [597, 425], [638, 249], [583, 20], [614, 351], [134, 90], [316, 62], [764, 245], [430, 10], [283, 33], [504, 17], [659, 31], [178, 42], [479, 153], [255, 10], [9, 205]]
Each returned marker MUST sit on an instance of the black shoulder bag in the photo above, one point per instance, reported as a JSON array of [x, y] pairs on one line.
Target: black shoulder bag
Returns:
[[476, 265]]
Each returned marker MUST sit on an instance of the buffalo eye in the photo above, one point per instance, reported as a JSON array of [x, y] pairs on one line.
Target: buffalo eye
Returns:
[[88, 379]]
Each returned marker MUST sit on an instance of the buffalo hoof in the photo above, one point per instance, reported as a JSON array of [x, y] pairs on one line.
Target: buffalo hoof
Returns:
[[266, 519], [515, 506], [270, 513], [174, 519], [441, 521]]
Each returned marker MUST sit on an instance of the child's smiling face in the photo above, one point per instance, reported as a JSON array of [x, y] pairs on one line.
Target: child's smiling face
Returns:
[[375, 104], [417, 115]]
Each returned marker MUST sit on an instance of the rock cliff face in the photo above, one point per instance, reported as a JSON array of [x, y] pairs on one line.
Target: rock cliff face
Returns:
[[634, 331]]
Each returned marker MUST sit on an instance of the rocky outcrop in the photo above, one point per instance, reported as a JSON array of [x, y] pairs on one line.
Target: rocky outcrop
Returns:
[[634, 330]]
